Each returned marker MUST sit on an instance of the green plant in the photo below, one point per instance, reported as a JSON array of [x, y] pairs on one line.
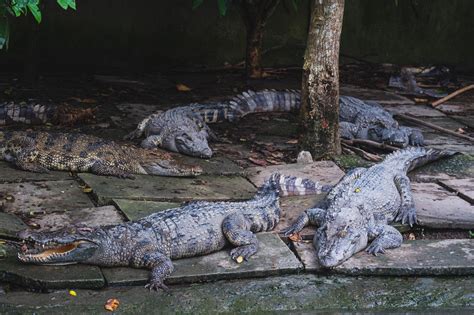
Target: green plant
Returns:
[[17, 8]]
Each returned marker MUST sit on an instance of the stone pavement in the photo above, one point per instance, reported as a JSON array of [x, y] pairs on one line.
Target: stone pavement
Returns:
[[443, 194]]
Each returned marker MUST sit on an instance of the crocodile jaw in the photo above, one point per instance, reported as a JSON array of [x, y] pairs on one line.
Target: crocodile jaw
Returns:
[[52, 253]]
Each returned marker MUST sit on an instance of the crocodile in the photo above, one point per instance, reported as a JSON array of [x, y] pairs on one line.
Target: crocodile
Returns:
[[32, 113], [360, 207], [43, 151], [194, 229], [184, 129]]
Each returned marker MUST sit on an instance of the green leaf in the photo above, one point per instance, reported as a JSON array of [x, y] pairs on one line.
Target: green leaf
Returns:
[[197, 3], [222, 6], [65, 4], [4, 32], [35, 10]]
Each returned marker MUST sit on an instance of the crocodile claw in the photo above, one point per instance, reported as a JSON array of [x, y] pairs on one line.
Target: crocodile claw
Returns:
[[291, 230], [156, 286], [375, 249], [407, 216], [245, 251]]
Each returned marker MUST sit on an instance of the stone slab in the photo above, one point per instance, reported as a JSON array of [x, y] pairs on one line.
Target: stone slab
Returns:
[[91, 217], [38, 197], [49, 277], [273, 258], [450, 257], [419, 110], [291, 294], [10, 225], [9, 174], [217, 165], [463, 187], [325, 172], [155, 188], [467, 120], [439, 208], [380, 96], [135, 209]]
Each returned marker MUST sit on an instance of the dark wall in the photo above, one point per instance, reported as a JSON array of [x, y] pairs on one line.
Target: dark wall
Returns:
[[138, 35]]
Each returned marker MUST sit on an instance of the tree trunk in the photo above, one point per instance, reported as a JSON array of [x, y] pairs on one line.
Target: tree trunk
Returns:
[[255, 14], [320, 86]]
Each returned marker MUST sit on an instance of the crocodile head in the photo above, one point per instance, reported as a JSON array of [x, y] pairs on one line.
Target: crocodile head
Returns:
[[392, 136], [70, 245], [342, 235], [194, 144]]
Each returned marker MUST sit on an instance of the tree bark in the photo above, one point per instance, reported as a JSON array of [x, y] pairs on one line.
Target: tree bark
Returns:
[[255, 14], [320, 87]]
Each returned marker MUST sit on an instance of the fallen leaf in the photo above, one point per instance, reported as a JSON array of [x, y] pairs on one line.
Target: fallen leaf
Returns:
[[411, 237], [257, 161], [271, 161], [239, 259], [421, 100], [460, 130], [292, 141], [111, 305], [296, 237], [72, 293], [183, 88], [87, 189]]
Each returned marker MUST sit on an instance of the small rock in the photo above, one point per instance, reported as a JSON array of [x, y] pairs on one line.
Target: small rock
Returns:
[[304, 157]]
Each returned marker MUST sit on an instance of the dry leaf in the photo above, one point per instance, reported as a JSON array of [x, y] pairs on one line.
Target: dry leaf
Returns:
[[411, 237], [182, 88], [296, 237], [239, 259], [87, 189], [72, 293], [292, 141], [111, 305], [257, 161], [460, 130]]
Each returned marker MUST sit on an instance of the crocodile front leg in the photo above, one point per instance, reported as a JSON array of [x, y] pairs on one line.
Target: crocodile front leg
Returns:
[[313, 216], [237, 229], [384, 237], [151, 142], [407, 211], [160, 265]]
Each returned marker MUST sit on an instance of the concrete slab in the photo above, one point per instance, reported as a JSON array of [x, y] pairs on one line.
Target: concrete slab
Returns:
[[135, 209], [10, 174], [95, 216], [467, 120], [273, 258], [156, 188], [463, 187], [49, 277], [305, 293], [10, 225], [380, 96], [326, 172], [451, 257], [438, 208], [31, 198], [218, 165]]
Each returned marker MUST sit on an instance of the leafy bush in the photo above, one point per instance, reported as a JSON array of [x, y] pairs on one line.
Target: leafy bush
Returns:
[[16, 8]]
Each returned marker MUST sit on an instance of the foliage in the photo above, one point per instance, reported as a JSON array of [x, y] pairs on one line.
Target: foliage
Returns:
[[22, 7]]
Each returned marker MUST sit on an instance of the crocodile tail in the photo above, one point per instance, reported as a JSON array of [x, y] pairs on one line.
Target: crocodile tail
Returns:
[[414, 157], [30, 113], [430, 155], [264, 101], [294, 186]]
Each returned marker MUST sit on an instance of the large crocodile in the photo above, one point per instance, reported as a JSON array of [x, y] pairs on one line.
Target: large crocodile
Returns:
[[197, 228], [184, 129], [360, 207], [42, 151], [33, 113]]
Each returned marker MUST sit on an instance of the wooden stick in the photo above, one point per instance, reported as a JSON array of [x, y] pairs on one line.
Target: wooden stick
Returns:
[[435, 127], [370, 143], [450, 96], [366, 155]]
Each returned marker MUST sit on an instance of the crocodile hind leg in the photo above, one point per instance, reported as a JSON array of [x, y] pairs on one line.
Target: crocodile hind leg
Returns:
[[101, 168], [237, 229], [384, 237], [160, 265], [313, 216], [407, 211]]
